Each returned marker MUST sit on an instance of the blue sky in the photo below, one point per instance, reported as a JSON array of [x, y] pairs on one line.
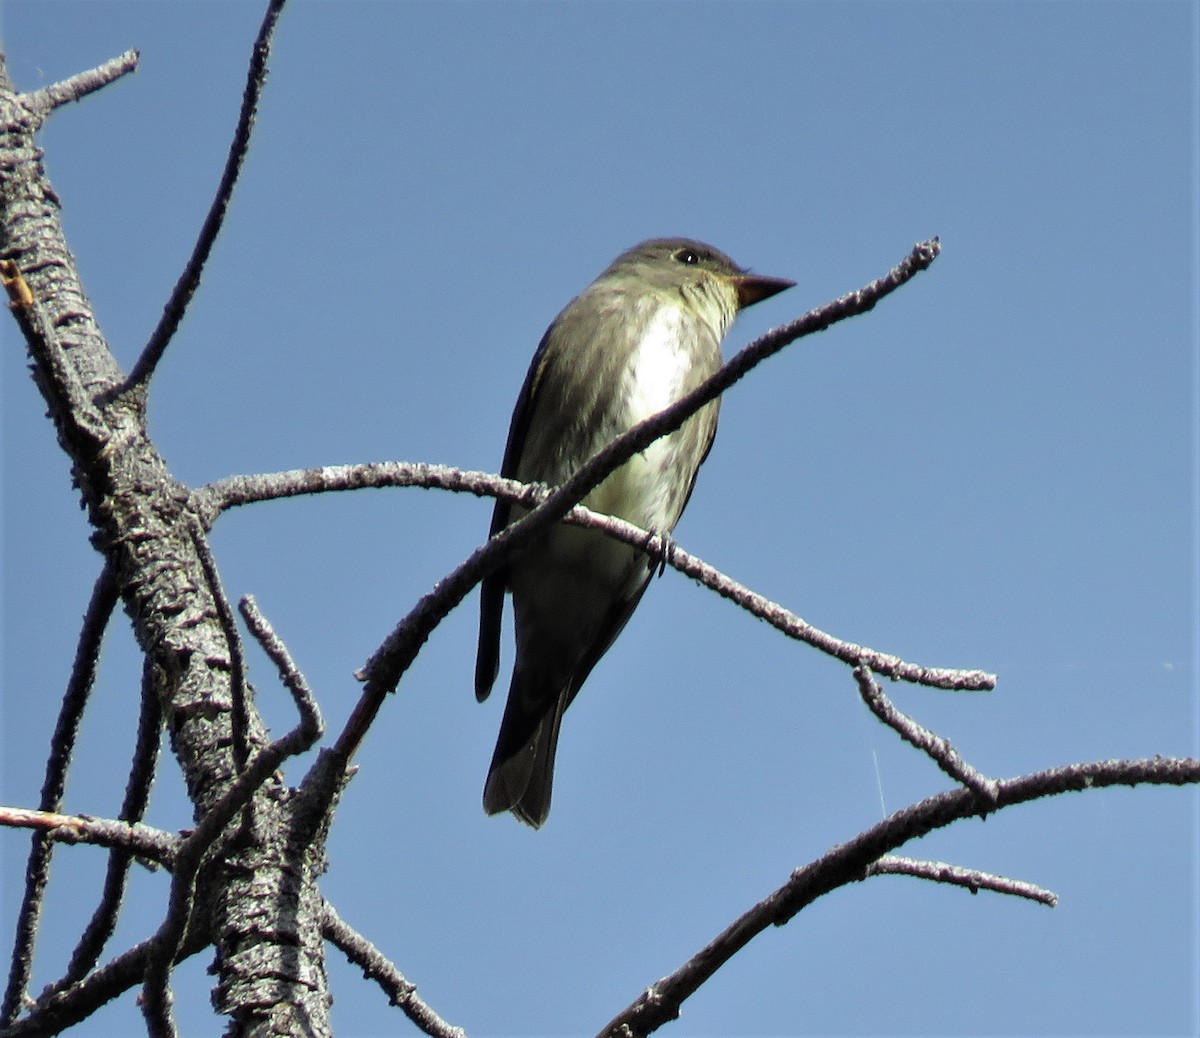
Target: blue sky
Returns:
[[996, 468]]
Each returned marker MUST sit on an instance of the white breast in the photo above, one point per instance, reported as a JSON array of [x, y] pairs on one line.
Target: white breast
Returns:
[[656, 372], [641, 490]]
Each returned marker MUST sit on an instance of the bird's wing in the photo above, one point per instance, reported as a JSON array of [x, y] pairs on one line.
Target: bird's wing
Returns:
[[711, 433], [491, 591]]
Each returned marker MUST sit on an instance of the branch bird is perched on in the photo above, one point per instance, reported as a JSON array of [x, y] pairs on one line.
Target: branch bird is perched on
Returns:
[[644, 333]]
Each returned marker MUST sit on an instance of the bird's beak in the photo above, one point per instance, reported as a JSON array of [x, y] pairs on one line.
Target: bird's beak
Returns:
[[754, 288]]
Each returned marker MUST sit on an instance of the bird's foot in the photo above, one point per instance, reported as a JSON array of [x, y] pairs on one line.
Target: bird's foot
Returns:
[[661, 551]]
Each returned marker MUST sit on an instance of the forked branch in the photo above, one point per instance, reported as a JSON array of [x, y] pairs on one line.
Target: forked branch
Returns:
[[853, 861]]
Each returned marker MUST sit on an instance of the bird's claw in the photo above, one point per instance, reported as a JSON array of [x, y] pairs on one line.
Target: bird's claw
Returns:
[[661, 552]]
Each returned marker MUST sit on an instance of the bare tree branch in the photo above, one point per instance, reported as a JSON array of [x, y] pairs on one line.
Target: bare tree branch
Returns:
[[235, 491], [143, 840], [938, 749], [789, 623], [972, 879], [294, 681], [137, 796], [104, 598], [44, 101], [377, 967], [189, 281], [59, 1011], [850, 861]]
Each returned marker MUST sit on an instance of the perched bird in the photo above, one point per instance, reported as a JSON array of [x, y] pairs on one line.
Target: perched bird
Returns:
[[644, 333]]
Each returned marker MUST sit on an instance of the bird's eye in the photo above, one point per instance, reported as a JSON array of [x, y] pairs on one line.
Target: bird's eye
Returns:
[[687, 256]]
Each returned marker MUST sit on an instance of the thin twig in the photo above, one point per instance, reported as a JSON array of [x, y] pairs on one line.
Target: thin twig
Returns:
[[43, 102], [189, 280], [105, 593], [143, 840], [235, 491], [52, 1014], [848, 862], [295, 682], [972, 879], [787, 622], [377, 967], [943, 754], [103, 923]]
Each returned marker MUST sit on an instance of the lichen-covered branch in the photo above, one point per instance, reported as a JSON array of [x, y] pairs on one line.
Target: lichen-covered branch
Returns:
[[146, 533]]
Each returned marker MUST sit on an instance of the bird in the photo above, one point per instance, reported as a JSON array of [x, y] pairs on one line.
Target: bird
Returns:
[[644, 333]]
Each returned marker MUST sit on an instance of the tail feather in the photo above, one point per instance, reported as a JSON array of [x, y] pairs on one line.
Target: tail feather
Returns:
[[521, 775]]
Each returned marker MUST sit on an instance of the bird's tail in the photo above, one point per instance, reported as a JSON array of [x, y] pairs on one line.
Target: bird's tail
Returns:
[[521, 775]]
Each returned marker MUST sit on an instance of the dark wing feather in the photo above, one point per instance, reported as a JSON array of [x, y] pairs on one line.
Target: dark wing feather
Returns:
[[712, 435], [491, 590]]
